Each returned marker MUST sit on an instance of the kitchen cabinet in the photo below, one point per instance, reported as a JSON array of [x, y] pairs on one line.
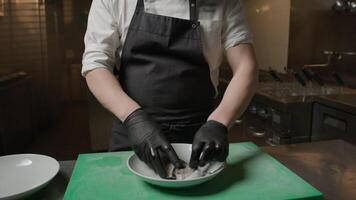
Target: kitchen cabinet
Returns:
[[100, 124], [334, 117], [16, 121]]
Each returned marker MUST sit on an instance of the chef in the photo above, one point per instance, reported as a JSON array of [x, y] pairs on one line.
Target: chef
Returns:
[[166, 56]]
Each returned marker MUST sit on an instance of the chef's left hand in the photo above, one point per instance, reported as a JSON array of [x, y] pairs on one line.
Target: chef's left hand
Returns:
[[210, 144]]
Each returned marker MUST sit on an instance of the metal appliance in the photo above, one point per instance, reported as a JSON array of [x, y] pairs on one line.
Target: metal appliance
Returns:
[[334, 117], [281, 113]]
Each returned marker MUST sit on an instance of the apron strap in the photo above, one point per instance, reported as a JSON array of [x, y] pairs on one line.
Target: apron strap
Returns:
[[140, 6], [193, 10]]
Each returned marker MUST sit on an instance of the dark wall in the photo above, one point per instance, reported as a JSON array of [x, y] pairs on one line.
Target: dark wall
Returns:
[[314, 28], [23, 47], [45, 39]]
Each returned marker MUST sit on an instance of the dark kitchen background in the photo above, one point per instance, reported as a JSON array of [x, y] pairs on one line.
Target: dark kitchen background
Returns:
[[305, 49]]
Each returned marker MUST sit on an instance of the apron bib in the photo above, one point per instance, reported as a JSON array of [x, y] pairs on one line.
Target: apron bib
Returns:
[[164, 70]]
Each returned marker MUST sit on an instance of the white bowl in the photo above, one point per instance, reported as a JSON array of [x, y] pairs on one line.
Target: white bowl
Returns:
[[183, 151], [22, 175]]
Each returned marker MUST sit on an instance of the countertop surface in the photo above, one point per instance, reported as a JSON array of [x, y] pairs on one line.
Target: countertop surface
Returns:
[[290, 92], [56, 188], [346, 102], [248, 169], [330, 166]]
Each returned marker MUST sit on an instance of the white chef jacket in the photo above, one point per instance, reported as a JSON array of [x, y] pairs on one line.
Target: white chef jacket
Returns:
[[222, 21]]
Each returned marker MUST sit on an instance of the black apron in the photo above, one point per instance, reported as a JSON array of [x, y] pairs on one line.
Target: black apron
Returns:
[[164, 70]]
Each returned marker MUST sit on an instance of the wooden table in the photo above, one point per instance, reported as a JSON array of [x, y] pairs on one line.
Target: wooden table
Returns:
[[330, 166]]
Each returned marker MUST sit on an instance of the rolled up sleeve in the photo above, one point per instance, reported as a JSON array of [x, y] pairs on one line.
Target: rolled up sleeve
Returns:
[[101, 38], [235, 28]]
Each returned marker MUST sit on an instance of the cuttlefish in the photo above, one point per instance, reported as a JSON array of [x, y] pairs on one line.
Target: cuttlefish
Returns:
[[186, 173]]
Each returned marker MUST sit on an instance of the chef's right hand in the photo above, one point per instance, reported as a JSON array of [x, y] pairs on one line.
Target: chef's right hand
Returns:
[[149, 143]]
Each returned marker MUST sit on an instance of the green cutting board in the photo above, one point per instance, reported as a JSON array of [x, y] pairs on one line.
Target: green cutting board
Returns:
[[250, 174]]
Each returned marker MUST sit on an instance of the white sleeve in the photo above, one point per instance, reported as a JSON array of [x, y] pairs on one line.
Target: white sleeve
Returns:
[[101, 38], [235, 28]]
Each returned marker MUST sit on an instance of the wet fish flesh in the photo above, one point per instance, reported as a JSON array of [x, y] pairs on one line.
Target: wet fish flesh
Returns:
[[186, 173]]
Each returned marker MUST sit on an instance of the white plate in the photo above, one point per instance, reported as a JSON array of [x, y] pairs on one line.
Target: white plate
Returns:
[[183, 151], [22, 175]]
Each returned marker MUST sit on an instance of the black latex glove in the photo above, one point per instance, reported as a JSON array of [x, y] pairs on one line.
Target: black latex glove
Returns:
[[210, 144], [149, 143]]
